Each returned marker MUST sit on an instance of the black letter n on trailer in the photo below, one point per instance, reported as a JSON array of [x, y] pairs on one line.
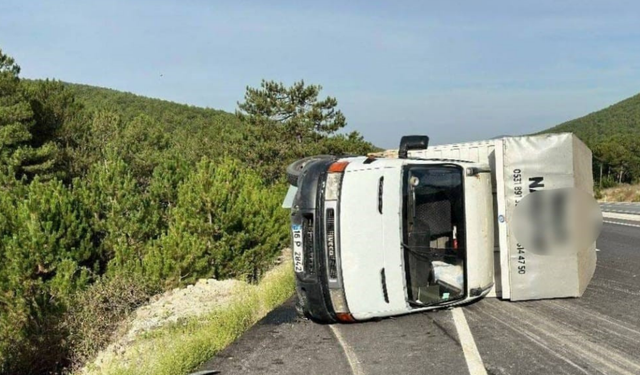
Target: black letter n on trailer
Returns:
[[535, 183]]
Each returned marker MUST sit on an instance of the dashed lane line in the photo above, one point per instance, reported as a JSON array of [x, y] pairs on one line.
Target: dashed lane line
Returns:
[[623, 211], [354, 363], [469, 348], [620, 204], [625, 224], [617, 216]]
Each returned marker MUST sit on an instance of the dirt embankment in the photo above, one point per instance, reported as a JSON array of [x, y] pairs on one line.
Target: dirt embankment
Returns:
[[174, 307]]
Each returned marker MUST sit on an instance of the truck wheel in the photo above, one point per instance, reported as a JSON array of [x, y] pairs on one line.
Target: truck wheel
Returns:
[[294, 170]]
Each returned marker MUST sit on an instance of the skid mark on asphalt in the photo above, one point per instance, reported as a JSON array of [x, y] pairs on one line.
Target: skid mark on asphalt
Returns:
[[577, 345], [354, 363], [618, 270], [602, 299], [607, 285], [603, 322], [539, 357], [471, 354], [535, 340]]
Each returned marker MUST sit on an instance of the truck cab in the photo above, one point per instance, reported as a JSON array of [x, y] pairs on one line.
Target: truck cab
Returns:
[[377, 237]]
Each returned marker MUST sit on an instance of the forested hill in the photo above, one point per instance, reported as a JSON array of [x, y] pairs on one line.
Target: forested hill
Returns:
[[613, 134], [109, 197], [620, 119], [264, 142], [130, 105]]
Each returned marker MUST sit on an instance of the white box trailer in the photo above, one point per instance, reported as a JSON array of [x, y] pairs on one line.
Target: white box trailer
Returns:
[[519, 166]]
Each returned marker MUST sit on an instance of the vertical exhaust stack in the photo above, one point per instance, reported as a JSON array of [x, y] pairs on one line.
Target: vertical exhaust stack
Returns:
[[412, 142]]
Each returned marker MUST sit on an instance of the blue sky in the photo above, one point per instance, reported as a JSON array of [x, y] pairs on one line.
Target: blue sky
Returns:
[[456, 71]]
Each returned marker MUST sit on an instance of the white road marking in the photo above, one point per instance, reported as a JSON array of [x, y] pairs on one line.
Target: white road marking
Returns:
[[471, 354], [597, 249], [625, 224], [354, 363], [619, 204], [617, 216], [623, 211]]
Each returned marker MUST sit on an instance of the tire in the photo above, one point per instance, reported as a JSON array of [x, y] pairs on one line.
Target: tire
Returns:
[[294, 170]]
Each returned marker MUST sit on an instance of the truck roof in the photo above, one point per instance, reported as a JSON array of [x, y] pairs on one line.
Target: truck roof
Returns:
[[390, 162]]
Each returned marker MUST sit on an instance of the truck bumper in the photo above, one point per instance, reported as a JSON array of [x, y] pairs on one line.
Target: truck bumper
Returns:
[[307, 212]]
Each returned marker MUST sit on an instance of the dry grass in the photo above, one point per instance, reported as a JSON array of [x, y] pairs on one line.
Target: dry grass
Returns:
[[621, 193], [98, 312]]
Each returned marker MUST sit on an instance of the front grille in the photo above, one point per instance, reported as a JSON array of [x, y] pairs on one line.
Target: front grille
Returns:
[[307, 247], [331, 244]]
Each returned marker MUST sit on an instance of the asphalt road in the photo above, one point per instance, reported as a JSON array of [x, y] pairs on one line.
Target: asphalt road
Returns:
[[621, 208], [598, 333]]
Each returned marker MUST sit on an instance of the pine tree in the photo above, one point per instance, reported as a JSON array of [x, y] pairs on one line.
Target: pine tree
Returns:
[[295, 112], [225, 223], [16, 116], [46, 255], [17, 156], [287, 123]]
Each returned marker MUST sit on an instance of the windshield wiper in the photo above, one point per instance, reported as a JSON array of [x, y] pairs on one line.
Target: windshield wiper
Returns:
[[419, 253], [422, 304]]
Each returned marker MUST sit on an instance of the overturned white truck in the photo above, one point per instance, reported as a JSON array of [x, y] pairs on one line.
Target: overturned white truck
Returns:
[[429, 227]]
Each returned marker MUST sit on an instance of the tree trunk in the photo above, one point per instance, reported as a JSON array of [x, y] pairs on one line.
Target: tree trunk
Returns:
[[600, 181], [620, 175]]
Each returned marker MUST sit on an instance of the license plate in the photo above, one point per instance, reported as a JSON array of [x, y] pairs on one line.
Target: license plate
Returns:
[[298, 256]]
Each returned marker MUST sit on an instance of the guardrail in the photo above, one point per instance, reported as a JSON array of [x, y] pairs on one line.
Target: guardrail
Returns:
[[628, 208]]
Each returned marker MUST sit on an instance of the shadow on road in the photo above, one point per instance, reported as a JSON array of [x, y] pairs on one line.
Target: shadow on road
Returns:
[[285, 313]]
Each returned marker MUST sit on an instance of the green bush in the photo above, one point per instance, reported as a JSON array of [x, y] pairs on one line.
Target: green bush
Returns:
[[46, 254], [122, 217], [607, 182], [226, 223]]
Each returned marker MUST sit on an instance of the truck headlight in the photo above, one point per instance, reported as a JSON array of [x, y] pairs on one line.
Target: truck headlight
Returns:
[[334, 179], [332, 188]]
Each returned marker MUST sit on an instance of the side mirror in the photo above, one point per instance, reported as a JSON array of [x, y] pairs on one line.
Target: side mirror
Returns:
[[412, 142]]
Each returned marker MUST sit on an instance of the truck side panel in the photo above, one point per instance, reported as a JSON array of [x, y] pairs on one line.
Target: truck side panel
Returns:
[[584, 181], [521, 165], [539, 163]]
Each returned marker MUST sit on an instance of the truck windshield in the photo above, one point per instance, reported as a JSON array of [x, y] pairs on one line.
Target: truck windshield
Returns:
[[433, 233]]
